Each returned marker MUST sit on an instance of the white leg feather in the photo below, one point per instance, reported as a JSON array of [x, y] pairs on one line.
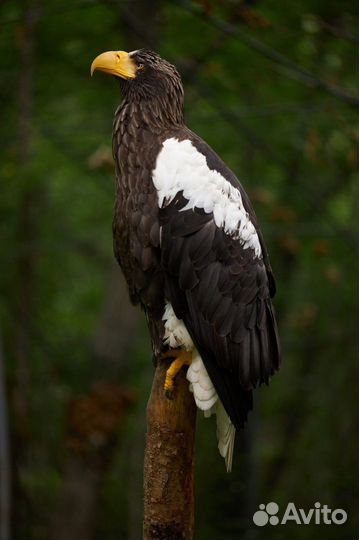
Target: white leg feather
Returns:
[[201, 385]]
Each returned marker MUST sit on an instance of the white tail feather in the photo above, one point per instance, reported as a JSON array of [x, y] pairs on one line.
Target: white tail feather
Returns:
[[207, 400], [225, 434]]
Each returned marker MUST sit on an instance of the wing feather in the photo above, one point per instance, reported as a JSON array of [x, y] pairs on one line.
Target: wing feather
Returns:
[[227, 312]]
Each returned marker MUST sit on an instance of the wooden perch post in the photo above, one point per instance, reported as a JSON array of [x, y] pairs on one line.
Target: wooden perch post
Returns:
[[169, 460]]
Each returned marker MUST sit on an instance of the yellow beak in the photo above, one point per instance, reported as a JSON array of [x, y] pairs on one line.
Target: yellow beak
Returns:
[[118, 63]]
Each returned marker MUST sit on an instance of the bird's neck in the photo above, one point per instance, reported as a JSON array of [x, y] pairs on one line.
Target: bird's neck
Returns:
[[138, 131], [154, 115]]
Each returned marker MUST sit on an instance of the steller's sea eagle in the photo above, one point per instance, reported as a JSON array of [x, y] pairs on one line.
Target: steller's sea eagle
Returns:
[[189, 245]]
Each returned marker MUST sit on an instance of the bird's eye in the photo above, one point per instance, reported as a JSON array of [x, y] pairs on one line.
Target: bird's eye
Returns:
[[140, 66]]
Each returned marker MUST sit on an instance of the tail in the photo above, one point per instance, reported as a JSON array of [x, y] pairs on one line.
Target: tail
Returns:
[[226, 433], [207, 401]]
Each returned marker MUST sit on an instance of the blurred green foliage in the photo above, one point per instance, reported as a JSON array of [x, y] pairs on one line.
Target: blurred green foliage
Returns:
[[294, 146]]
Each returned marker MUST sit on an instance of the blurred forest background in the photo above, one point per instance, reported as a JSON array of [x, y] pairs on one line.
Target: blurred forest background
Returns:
[[272, 87]]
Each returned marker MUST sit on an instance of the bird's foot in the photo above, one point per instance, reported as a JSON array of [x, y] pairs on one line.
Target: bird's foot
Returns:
[[181, 358]]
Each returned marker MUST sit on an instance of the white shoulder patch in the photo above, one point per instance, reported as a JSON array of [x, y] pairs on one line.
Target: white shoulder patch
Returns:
[[180, 167]]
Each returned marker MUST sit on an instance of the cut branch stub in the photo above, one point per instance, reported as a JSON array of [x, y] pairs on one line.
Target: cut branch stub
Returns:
[[169, 460]]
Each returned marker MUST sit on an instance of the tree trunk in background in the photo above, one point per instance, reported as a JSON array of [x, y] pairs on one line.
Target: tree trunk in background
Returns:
[[24, 266], [5, 484], [169, 461], [27, 203]]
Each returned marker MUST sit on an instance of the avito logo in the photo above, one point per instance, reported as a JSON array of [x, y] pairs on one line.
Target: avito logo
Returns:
[[318, 515]]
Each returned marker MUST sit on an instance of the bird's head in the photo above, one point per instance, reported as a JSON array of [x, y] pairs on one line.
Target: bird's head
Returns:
[[143, 75]]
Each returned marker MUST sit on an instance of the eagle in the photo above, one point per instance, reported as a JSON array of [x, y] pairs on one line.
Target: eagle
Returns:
[[189, 245]]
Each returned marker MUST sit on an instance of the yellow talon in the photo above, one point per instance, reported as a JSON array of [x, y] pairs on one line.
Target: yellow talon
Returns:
[[182, 358]]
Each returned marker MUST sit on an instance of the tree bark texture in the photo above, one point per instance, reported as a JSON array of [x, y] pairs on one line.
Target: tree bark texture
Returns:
[[169, 460]]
